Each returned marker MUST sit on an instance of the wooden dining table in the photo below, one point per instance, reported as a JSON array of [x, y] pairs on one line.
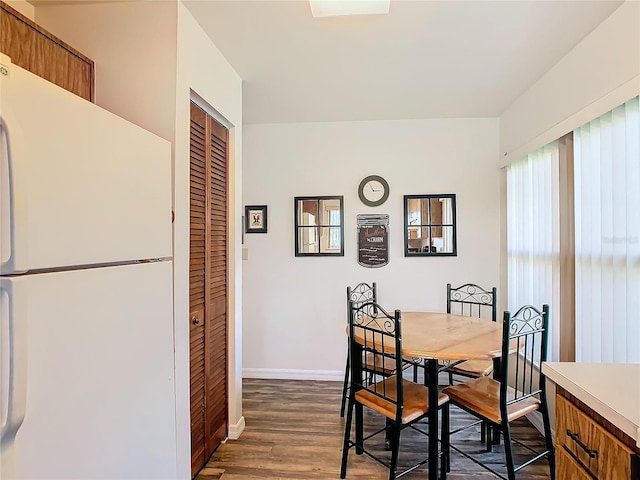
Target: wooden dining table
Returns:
[[442, 337]]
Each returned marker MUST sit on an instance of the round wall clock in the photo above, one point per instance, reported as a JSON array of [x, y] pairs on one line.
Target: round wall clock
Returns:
[[373, 190]]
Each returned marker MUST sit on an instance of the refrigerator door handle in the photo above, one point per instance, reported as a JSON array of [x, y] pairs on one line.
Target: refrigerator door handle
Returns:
[[7, 201], [15, 384]]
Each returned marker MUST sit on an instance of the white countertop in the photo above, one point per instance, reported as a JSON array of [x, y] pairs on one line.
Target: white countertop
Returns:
[[611, 389]]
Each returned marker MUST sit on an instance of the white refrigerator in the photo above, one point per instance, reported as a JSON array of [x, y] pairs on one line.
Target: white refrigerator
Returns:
[[86, 309]]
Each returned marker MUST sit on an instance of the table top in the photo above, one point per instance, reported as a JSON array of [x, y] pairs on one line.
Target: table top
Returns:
[[449, 337]]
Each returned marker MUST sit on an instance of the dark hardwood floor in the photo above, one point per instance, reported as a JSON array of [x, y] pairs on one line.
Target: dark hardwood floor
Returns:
[[294, 431]]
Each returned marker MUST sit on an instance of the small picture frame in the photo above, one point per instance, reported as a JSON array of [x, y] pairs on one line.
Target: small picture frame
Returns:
[[255, 218]]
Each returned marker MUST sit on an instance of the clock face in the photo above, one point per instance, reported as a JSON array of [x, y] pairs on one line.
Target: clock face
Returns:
[[373, 190]]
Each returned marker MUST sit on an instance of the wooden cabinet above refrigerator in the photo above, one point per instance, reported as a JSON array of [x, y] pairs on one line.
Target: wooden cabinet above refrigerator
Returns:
[[33, 48]]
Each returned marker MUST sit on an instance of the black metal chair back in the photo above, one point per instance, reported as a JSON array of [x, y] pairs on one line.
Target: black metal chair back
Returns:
[[471, 299], [358, 295], [361, 294], [373, 330], [527, 330]]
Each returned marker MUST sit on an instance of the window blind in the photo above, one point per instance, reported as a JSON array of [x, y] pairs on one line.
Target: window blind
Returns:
[[533, 235], [607, 236]]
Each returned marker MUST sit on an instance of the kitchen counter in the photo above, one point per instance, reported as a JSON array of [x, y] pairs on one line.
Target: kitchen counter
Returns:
[[612, 390]]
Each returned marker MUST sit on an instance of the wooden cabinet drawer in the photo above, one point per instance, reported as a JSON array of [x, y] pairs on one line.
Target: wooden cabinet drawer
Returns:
[[605, 457], [568, 469]]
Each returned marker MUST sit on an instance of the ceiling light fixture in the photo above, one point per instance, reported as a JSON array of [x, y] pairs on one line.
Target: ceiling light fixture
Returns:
[[335, 8]]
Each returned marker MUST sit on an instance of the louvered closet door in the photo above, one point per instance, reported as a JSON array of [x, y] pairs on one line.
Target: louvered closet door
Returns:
[[208, 286], [216, 326], [197, 296]]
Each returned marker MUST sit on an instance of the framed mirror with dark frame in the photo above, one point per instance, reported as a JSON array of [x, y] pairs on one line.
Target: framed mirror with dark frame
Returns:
[[319, 226], [430, 225]]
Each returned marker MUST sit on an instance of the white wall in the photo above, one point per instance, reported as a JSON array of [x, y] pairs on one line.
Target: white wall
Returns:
[[294, 308], [23, 7], [133, 45], [203, 70], [600, 73]]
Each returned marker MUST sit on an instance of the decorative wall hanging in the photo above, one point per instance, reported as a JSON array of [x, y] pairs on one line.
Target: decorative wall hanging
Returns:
[[319, 226], [373, 240], [255, 217], [430, 225]]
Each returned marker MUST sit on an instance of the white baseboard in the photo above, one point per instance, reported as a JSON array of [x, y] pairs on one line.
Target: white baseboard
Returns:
[[236, 430], [284, 374]]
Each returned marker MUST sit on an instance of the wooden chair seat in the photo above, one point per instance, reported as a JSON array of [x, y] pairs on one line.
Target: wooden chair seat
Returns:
[[474, 368], [416, 396], [378, 364], [482, 395]]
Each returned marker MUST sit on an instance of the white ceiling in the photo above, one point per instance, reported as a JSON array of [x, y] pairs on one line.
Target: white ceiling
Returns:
[[425, 59]]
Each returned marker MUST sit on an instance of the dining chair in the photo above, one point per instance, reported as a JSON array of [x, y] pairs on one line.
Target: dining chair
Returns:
[[515, 392], [400, 401], [359, 295], [473, 301]]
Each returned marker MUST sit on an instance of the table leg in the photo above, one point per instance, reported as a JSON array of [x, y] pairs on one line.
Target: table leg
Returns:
[[432, 373]]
